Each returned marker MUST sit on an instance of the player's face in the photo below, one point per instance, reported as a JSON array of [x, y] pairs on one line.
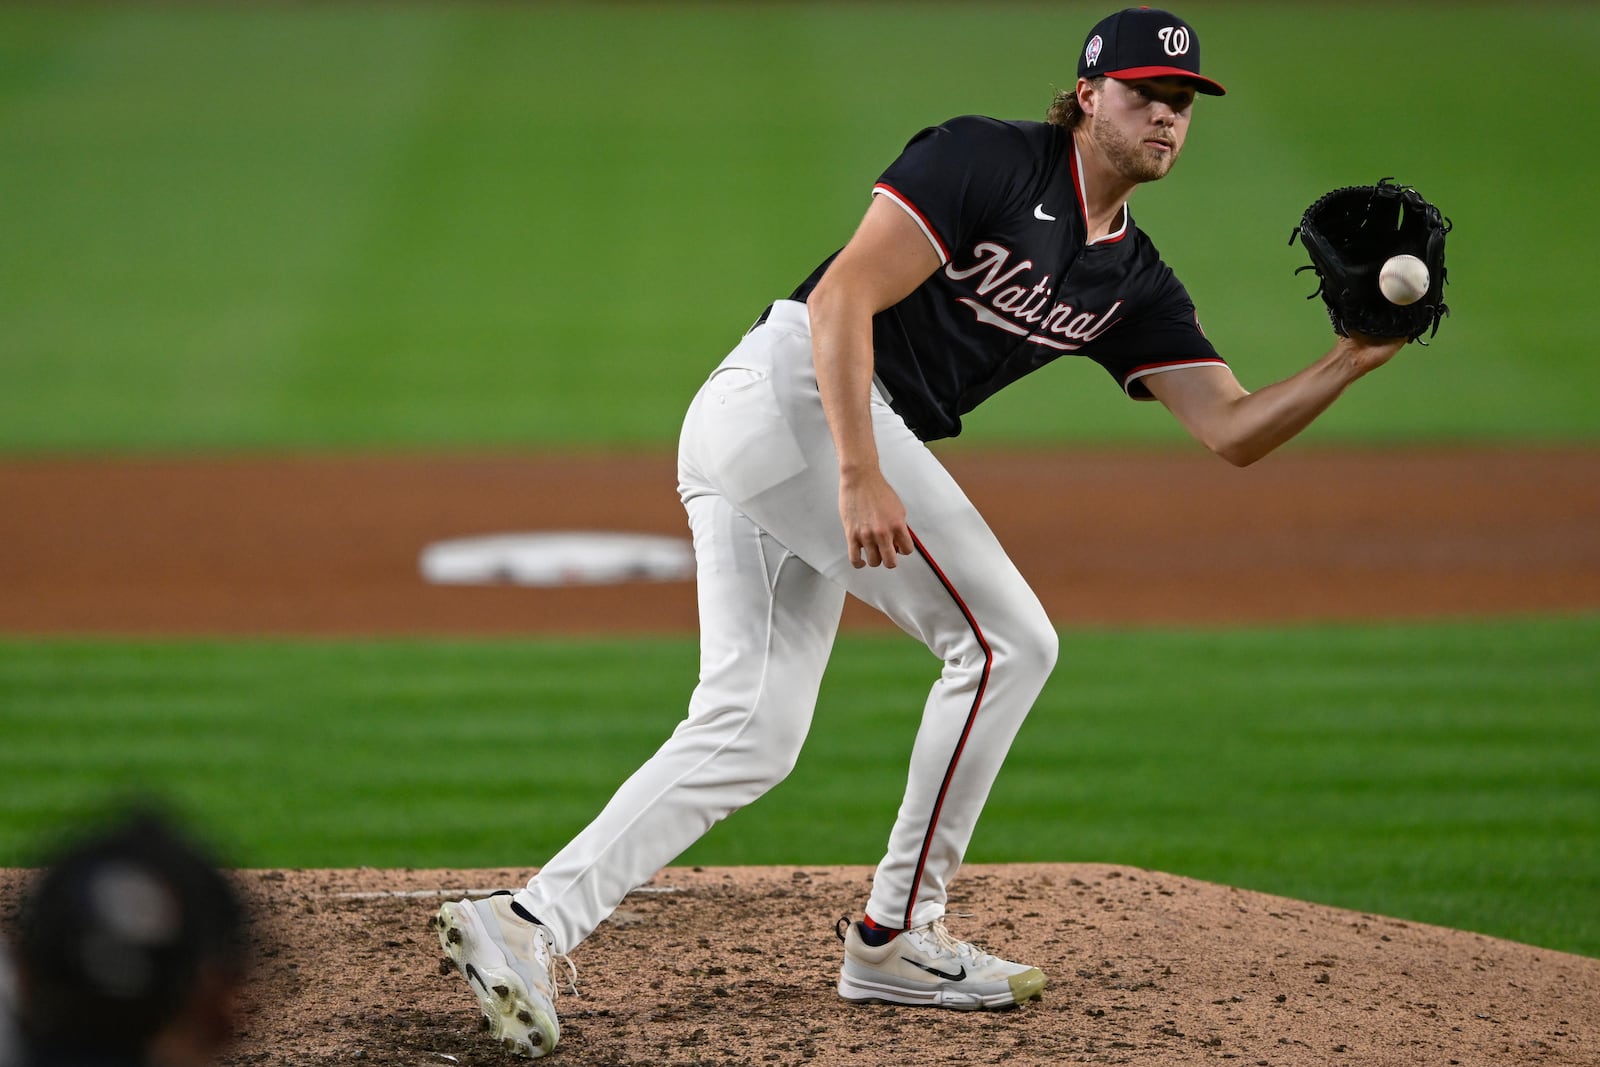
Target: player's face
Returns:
[[1140, 125]]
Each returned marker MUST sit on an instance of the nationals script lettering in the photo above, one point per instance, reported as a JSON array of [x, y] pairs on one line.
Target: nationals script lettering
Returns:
[[1027, 310]]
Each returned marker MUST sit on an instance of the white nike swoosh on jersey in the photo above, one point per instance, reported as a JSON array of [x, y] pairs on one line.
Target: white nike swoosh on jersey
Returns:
[[989, 318], [1039, 213]]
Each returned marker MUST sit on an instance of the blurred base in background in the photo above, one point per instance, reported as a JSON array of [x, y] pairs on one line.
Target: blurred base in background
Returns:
[[294, 546]]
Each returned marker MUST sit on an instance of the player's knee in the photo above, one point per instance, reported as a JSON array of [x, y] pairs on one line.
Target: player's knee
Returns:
[[1022, 643], [771, 750], [772, 759], [744, 748], [1031, 646], [1048, 647], [1022, 649]]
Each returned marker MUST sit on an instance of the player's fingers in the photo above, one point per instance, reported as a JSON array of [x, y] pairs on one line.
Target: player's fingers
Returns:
[[870, 552], [855, 553], [889, 548], [903, 543]]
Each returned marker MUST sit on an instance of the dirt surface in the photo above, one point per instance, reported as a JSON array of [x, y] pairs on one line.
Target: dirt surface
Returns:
[[331, 546], [736, 966]]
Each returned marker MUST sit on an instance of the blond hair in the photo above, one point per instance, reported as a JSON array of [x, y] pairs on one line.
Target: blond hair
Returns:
[[1064, 110]]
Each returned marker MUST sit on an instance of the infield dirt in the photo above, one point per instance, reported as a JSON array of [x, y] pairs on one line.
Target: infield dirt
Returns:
[[736, 966], [316, 545]]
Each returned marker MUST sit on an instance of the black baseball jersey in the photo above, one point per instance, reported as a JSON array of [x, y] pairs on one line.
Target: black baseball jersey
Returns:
[[1002, 204]]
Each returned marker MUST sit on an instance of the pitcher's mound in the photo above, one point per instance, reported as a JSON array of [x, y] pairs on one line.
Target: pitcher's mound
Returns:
[[736, 966]]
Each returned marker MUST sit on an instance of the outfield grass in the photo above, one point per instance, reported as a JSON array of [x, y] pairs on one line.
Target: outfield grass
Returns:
[[1437, 773], [337, 225]]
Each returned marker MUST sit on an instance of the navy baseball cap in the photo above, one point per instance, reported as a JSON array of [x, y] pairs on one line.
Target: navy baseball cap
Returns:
[[1143, 42]]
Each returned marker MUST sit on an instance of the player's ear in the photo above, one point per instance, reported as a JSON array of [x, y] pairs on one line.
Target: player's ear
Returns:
[[1087, 96]]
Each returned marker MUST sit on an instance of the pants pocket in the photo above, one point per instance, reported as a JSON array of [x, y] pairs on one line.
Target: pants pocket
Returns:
[[744, 446]]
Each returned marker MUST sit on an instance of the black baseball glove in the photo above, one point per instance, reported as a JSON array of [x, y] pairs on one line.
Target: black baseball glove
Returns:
[[1351, 233]]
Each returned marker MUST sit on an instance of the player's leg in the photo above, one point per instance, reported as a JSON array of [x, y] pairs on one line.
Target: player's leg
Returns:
[[767, 625], [963, 597]]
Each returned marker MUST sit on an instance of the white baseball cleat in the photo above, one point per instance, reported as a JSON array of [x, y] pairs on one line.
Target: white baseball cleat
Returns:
[[506, 959], [925, 965]]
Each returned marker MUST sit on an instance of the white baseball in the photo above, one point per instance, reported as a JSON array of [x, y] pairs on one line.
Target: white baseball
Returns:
[[1403, 280]]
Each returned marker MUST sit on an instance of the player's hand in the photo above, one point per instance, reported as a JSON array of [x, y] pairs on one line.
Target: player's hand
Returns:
[[874, 521], [1370, 353]]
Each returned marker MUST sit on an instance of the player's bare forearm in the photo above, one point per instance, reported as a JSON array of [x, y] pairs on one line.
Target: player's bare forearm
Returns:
[[1241, 426], [1256, 424], [871, 514], [886, 259], [841, 345]]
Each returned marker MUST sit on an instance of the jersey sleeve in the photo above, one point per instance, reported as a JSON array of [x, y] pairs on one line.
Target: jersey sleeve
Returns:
[[952, 177], [1166, 337]]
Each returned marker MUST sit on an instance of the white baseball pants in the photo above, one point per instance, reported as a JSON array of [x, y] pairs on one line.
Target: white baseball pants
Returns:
[[760, 480]]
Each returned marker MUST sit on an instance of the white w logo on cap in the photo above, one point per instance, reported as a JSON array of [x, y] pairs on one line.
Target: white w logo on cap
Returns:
[[1174, 40]]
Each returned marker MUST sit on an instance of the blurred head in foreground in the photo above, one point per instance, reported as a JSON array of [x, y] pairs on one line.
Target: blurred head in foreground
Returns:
[[129, 947]]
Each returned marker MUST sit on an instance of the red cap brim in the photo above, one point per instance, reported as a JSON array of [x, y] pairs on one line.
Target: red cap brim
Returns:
[[1203, 85]]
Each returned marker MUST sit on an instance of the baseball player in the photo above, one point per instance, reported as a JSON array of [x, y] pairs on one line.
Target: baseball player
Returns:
[[990, 249]]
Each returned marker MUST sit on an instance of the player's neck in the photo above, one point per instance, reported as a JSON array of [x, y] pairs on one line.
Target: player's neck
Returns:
[[1104, 188]]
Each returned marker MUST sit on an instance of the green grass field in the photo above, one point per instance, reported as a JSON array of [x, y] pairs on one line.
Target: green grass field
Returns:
[[300, 227], [1438, 773]]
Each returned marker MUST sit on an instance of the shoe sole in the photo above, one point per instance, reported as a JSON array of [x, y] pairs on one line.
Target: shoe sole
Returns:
[[859, 984], [514, 1018]]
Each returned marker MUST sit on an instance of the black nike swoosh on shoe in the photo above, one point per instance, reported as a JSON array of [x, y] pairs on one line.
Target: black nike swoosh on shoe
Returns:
[[946, 975], [473, 976]]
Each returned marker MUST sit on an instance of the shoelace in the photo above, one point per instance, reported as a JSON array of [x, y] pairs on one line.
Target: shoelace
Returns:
[[947, 942], [550, 953], [572, 974]]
